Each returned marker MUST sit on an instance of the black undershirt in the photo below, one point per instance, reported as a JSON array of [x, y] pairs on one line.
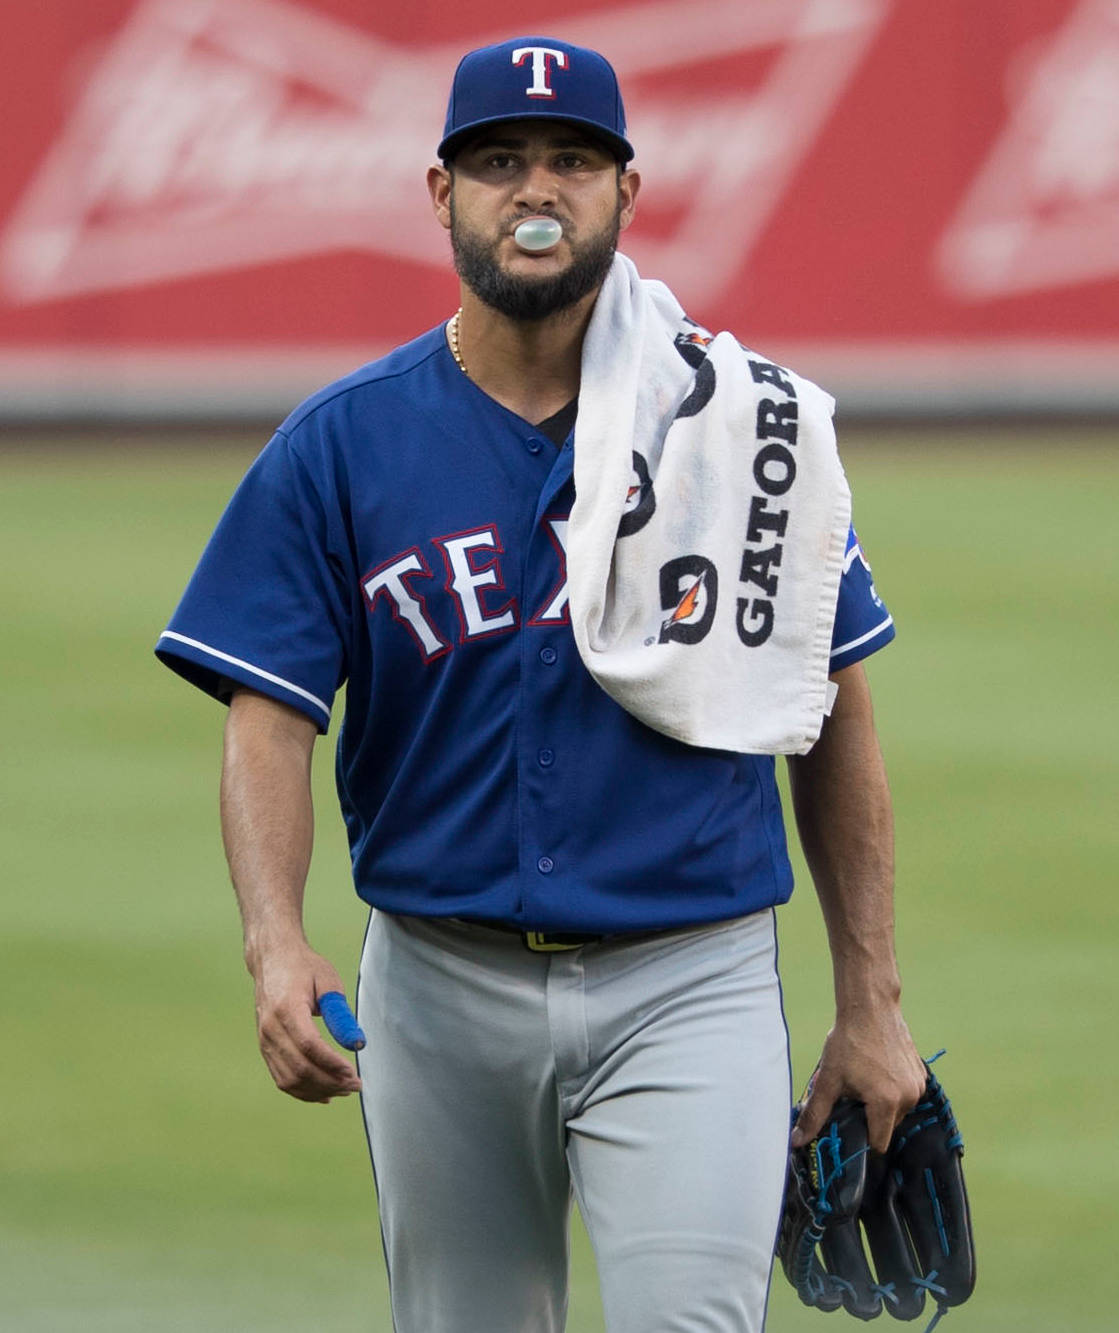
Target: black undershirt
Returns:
[[558, 426]]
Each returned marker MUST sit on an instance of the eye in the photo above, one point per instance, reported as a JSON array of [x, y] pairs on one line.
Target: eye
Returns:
[[501, 161]]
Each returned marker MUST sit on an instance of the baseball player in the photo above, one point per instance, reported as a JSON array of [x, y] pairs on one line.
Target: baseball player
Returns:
[[568, 985]]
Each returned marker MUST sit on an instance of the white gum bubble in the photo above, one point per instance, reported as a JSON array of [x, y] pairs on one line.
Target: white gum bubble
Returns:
[[538, 234]]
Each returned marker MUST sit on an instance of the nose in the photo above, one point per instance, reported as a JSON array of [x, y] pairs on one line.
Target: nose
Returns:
[[537, 187]]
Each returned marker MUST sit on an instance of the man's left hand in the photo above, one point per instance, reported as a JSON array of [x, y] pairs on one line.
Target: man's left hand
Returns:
[[869, 1056]]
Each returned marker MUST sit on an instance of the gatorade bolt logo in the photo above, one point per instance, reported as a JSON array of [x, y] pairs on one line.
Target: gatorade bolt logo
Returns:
[[641, 499], [693, 348], [542, 56], [689, 591]]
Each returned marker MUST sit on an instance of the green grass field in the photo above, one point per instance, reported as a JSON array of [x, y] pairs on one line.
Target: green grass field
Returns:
[[150, 1176]]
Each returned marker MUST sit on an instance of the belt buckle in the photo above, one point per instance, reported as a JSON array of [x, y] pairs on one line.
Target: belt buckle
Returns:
[[539, 942]]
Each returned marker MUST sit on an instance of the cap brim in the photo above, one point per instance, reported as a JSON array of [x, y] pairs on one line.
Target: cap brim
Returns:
[[621, 148]]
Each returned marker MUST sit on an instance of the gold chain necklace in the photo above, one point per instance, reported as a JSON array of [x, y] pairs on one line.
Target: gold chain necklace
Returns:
[[452, 330]]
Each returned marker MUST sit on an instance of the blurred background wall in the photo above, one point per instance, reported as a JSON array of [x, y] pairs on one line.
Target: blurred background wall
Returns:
[[210, 207]]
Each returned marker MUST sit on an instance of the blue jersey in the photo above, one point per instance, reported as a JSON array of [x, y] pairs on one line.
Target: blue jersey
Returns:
[[404, 534]]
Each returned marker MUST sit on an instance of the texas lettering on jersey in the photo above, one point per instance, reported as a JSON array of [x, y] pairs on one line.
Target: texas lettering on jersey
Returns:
[[474, 582], [688, 584]]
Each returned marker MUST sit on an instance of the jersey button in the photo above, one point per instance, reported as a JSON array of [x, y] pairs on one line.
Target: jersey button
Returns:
[[533, 446], [545, 865], [547, 758], [548, 656]]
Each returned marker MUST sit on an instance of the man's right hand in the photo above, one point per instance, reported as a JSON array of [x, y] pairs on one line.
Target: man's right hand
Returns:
[[300, 1060]]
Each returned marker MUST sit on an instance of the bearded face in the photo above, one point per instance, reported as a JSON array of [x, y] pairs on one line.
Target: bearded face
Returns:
[[528, 297]]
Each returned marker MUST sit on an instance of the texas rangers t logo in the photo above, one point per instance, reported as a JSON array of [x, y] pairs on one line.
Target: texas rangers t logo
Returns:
[[541, 67]]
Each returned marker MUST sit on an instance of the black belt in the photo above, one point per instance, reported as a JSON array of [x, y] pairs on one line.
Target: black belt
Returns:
[[540, 941]]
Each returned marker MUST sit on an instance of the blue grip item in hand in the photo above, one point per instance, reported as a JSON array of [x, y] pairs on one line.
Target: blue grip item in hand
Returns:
[[340, 1021]]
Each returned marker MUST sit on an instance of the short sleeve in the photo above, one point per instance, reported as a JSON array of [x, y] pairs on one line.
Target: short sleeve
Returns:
[[268, 606], [862, 622]]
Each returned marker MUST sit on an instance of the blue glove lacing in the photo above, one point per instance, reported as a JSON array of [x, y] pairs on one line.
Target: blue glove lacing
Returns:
[[940, 1107]]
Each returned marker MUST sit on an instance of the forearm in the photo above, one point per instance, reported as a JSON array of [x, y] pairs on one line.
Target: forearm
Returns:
[[267, 819], [267, 824], [844, 816], [845, 819]]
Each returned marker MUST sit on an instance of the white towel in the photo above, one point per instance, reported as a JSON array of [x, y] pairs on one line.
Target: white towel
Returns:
[[706, 543]]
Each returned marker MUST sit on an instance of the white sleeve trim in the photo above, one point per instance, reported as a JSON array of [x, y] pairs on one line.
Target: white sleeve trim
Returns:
[[248, 666], [863, 638]]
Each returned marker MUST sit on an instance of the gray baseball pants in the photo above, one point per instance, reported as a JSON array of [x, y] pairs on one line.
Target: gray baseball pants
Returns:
[[647, 1076]]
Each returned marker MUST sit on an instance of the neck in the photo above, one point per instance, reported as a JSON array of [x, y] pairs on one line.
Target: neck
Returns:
[[530, 368]]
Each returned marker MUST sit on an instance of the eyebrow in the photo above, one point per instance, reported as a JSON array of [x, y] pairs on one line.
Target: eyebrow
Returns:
[[559, 141]]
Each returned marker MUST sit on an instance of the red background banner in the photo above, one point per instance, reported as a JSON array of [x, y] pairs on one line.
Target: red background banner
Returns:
[[209, 204]]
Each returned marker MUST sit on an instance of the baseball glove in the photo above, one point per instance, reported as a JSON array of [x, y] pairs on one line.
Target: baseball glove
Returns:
[[910, 1204]]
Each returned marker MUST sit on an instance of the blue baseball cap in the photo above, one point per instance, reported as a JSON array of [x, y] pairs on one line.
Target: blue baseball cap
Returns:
[[535, 78]]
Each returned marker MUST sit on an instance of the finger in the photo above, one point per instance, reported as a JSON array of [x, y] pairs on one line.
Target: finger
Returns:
[[303, 1081], [322, 1065], [341, 1021], [822, 1096], [882, 1118], [302, 1063], [293, 1079], [887, 1110]]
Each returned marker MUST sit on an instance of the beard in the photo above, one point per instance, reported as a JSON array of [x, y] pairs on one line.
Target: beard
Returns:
[[529, 299]]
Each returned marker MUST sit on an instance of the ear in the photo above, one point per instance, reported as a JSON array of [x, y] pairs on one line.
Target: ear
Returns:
[[439, 185], [628, 185]]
